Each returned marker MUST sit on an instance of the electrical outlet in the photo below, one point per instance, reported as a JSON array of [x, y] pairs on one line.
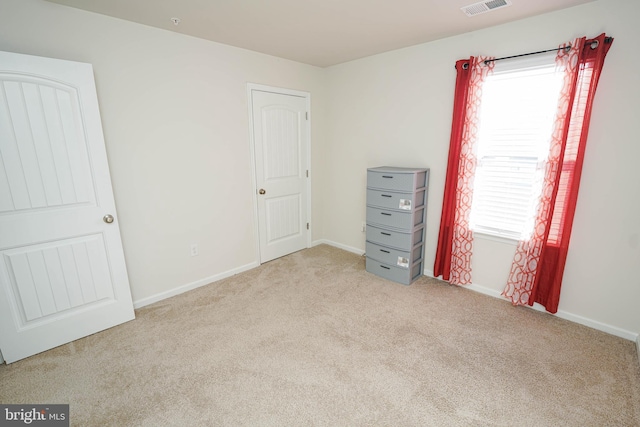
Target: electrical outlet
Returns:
[[363, 228], [194, 249]]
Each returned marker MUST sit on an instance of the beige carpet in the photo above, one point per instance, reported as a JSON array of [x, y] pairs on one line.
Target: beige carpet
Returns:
[[313, 339]]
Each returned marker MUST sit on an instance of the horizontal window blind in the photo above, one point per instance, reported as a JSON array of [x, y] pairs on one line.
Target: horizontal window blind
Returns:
[[516, 122]]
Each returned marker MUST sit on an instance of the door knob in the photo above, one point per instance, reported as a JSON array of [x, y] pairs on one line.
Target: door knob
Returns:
[[262, 191], [108, 218]]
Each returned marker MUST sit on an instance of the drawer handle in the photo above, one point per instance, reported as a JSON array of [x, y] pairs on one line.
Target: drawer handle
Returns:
[[386, 195], [386, 176], [385, 267], [386, 234], [384, 213], [386, 252]]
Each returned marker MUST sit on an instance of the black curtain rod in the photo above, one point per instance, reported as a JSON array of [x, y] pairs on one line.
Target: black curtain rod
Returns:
[[606, 40], [527, 54]]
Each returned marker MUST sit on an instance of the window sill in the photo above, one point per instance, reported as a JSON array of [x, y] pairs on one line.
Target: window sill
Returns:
[[492, 237]]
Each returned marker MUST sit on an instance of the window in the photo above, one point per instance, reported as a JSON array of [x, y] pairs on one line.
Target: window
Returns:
[[516, 120]]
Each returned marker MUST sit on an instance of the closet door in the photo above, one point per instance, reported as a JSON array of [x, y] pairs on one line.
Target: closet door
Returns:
[[280, 137]]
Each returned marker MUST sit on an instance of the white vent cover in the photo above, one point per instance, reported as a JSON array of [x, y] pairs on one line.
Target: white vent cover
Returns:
[[485, 6]]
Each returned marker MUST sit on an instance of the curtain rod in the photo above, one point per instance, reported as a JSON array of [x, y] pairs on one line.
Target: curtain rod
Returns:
[[606, 40], [527, 54]]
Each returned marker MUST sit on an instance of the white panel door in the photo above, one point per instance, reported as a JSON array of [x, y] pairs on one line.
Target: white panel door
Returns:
[[62, 269], [280, 143]]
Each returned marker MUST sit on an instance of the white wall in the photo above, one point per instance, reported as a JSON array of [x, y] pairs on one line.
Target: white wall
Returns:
[[395, 109], [175, 117]]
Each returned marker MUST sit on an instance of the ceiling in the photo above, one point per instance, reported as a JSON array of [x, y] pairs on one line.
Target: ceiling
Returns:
[[317, 32]]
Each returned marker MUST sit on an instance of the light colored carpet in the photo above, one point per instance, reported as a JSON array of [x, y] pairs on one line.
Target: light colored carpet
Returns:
[[313, 339]]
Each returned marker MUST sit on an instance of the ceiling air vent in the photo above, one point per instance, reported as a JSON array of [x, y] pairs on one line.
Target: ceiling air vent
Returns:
[[485, 6]]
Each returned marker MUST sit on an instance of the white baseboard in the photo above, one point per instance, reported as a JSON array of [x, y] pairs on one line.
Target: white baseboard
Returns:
[[338, 245], [207, 280], [613, 330], [193, 285], [638, 347]]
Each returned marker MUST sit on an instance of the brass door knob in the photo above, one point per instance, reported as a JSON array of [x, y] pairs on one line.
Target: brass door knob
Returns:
[[262, 191]]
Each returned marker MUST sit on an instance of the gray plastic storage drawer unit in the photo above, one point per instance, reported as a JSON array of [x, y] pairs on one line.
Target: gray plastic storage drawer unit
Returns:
[[396, 217]]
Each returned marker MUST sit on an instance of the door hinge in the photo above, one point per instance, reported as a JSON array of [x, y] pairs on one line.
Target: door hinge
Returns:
[[307, 173], [307, 226], [306, 115]]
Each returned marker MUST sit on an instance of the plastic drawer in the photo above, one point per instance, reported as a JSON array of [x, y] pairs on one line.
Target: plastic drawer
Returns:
[[393, 200], [400, 275], [401, 259], [395, 219], [395, 239], [398, 179]]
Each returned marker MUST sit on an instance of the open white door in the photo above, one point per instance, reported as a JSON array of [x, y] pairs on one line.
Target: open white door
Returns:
[[281, 139], [62, 268]]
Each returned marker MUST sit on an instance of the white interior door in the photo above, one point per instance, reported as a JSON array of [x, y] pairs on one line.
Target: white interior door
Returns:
[[281, 144], [62, 269]]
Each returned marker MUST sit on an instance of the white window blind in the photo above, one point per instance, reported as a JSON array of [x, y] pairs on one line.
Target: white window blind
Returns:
[[516, 121]]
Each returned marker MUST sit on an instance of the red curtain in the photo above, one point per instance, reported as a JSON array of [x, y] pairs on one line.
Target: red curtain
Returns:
[[442, 265], [546, 290], [536, 273], [455, 239]]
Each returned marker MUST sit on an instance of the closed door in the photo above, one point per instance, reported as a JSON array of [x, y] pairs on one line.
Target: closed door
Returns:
[[280, 135], [62, 268]]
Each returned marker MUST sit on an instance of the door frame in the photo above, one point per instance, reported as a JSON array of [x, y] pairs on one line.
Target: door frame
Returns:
[[252, 145]]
